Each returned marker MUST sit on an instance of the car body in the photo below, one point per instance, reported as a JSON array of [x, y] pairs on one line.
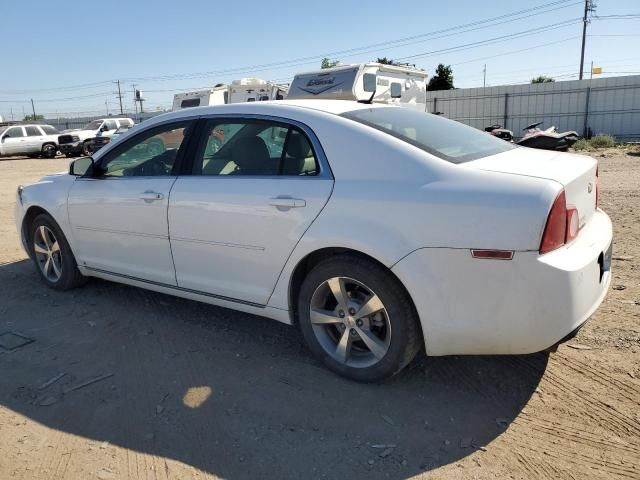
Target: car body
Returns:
[[29, 139], [463, 243], [78, 142]]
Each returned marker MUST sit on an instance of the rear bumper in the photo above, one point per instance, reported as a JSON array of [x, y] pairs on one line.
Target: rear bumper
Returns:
[[524, 305]]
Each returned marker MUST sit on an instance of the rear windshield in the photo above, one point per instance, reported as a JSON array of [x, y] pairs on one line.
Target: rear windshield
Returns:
[[446, 139]]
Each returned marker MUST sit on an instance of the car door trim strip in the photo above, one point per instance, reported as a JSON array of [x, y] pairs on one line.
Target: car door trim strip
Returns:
[[174, 287]]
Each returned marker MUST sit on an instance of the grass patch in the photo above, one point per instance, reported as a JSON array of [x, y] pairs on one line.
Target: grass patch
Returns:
[[599, 141]]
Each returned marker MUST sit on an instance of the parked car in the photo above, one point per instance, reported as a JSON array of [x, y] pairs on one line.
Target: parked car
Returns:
[[31, 140], [78, 142], [101, 140], [377, 230]]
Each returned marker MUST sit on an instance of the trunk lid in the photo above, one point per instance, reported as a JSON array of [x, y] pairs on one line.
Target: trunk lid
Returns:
[[576, 173]]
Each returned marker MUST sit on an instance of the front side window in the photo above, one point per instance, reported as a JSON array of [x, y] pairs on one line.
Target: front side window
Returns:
[[110, 124], [446, 139], [151, 153], [14, 132], [369, 81], [254, 147], [95, 125], [32, 131]]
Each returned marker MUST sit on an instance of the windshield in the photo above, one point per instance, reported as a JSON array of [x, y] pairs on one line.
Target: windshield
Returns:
[[446, 139], [95, 125], [2, 129]]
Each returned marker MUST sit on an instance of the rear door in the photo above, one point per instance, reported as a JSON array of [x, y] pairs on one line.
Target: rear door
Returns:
[[256, 186], [35, 139]]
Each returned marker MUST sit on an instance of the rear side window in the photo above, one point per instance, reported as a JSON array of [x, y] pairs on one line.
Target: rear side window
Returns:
[[33, 131], [191, 102], [254, 148], [446, 139], [396, 90], [49, 130]]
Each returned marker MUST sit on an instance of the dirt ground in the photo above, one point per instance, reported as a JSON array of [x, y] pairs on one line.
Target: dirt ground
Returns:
[[187, 390]]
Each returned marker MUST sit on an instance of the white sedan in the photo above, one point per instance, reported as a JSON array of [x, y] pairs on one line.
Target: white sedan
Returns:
[[377, 230]]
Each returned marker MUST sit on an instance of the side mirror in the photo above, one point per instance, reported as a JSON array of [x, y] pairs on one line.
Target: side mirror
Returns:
[[4, 138], [104, 128], [81, 167]]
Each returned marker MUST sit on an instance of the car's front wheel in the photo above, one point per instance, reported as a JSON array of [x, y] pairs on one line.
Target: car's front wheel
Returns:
[[358, 319], [86, 148], [52, 255], [49, 150]]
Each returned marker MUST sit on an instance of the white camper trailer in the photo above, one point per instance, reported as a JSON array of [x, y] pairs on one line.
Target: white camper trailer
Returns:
[[376, 82], [243, 90]]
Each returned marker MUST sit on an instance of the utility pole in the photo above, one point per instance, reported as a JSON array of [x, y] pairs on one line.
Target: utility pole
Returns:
[[591, 71], [589, 6], [106, 105], [484, 76], [135, 101], [119, 96], [34, 110]]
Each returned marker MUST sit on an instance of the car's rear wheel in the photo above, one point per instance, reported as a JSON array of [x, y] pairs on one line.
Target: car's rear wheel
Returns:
[[358, 319], [52, 255], [49, 150]]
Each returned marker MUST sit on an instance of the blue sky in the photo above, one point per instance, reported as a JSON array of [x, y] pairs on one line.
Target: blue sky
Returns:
[[65, 54]]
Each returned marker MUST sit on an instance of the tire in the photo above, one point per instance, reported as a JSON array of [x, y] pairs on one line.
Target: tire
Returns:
[[86, 148], [62, 273], [49, 150], [395, 326]]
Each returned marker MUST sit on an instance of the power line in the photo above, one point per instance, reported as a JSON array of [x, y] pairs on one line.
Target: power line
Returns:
[[490, 41]]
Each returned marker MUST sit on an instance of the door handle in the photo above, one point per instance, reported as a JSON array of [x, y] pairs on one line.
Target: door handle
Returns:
[[287, 202], [151, 196]]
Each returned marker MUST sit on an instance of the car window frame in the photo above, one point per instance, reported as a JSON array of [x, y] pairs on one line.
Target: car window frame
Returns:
[[19, 127], [151, 131], [200, 133], [35, 129]]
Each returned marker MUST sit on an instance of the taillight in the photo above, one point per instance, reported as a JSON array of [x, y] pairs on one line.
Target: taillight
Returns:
[[555, 231], [573, 224], [563, 225]]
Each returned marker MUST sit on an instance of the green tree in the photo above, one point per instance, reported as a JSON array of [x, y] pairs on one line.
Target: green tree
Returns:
[[442, 80], [386, 61], [326, 63], [542, 79], [31, 118]]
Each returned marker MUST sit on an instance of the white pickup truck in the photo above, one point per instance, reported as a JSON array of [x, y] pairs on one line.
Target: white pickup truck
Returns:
[[78, 142]]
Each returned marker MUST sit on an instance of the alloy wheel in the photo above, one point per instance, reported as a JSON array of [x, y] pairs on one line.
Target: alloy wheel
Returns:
[[350, 322], [48, 253]]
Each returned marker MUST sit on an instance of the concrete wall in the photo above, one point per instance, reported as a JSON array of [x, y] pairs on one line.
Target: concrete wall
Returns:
[[605, 105]]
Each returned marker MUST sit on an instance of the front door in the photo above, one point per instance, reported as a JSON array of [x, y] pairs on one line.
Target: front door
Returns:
[[119, 215], [256, 187], [14, 141]]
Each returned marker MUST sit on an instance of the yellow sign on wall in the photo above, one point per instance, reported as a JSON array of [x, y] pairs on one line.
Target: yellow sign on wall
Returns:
[[596, 70]]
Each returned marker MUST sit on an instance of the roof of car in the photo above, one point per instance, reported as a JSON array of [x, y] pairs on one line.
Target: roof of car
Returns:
[[335, 107]]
